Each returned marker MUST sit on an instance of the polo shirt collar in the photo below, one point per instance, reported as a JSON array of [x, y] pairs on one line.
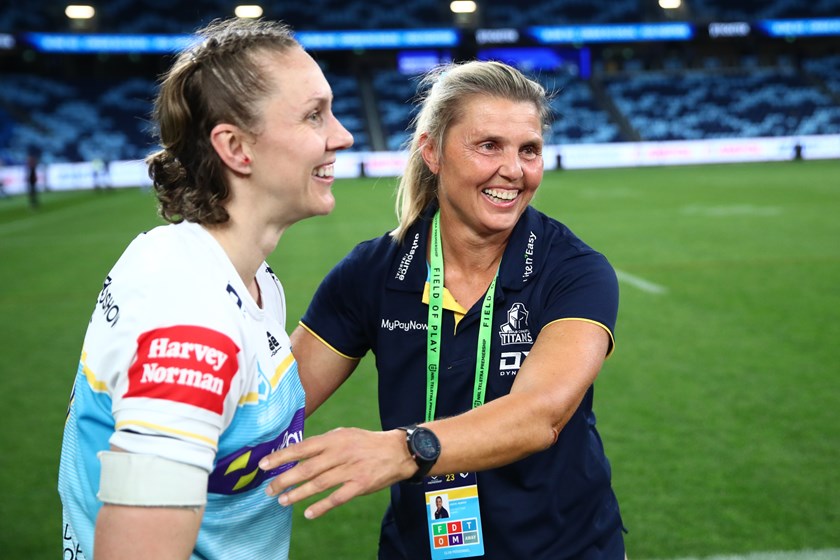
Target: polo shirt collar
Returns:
[[409, 269], [521, 262]]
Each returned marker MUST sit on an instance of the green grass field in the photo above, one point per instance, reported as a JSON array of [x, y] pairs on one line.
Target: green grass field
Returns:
[[720, 409]]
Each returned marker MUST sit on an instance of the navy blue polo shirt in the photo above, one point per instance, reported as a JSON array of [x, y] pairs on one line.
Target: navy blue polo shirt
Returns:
[[554, 504]]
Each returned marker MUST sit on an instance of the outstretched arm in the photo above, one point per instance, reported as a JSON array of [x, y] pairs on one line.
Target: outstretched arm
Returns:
[[563, 363]]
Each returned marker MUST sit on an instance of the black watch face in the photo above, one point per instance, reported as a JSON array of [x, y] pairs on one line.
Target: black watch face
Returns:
[[426, 444]]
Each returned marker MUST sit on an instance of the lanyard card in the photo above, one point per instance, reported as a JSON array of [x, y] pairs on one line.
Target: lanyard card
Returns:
[[453, 515]]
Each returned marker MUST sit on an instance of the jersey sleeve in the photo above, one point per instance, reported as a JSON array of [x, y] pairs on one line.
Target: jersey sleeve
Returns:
[[176, 391], [172, 365], [341, 309]]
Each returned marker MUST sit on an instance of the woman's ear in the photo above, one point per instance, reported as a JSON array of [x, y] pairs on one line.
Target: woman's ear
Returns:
[[429, 153], [229, 142]]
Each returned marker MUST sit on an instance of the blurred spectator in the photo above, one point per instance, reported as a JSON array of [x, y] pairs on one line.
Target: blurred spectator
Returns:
[[101, 173], [32, 179]]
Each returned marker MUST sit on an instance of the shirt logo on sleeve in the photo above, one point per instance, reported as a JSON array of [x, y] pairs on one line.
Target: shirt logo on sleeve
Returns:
[[188, 364]]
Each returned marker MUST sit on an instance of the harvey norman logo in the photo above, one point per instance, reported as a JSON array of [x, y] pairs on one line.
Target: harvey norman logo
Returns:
[[188, 364], [397, 325]]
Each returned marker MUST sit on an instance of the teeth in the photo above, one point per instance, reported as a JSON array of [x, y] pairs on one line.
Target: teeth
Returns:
[[324, 171], [501, 194]]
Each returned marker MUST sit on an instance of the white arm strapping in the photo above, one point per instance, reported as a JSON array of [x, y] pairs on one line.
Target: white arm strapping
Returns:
[[133, 479]]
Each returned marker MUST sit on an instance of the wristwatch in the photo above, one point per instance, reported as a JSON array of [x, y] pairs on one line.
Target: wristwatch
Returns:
[[424, 447]]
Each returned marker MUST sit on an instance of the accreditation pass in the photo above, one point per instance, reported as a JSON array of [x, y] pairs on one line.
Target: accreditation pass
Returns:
[[453, 515]]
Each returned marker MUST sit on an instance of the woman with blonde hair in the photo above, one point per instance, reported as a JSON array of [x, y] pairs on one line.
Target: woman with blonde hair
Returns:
[[489, 322]]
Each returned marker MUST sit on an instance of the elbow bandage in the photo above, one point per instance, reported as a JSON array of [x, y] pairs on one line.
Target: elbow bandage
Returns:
[[133, 479]]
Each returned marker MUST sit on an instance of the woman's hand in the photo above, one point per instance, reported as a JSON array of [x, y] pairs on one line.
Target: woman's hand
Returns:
[[355, 462]]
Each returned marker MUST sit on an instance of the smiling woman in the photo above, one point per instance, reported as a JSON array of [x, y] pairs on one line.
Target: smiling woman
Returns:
[[171, 409], [487, 386]]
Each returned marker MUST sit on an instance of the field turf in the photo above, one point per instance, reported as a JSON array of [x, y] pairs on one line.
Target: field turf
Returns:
[[720, 409]]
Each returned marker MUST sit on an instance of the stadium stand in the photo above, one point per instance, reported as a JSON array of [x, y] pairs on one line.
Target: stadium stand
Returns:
[[164, 16], [705, 89], [393, 94], [746, 10], [578, 117], [82, 121], [502, 13], [826, 69], [347, 107], [700, 104]]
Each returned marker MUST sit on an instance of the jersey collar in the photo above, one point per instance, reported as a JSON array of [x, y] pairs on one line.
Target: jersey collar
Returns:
[[521, 263]]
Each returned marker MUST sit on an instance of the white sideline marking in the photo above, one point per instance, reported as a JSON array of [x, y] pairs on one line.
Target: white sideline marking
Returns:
[[825, 554], [640, 283]]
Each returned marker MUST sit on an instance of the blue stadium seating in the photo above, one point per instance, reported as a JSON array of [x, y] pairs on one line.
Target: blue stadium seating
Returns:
[[75, 121], [827, 69], [750, 10], [394, 92], [503, 13], [347, 107], [700, 104], [578, 118], [165, 16]]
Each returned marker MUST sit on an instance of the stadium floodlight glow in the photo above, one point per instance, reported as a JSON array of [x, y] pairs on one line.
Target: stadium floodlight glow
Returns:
[[463, 7], [75, 11], [248, 11], [670, 4]]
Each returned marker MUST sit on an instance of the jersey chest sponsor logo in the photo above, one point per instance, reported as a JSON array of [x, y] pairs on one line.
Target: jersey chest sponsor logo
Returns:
[[239, 471], [405, 326], [516, 330], [510, 362], [188, 364]]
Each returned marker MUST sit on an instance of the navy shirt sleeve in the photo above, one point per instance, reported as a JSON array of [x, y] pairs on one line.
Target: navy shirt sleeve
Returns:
[[583, 285], [340, 311]]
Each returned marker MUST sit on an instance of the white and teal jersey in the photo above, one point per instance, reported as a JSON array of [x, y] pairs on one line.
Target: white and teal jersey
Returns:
[[179, 361]]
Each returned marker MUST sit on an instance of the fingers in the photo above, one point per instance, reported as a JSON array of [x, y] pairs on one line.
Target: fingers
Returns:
[[309, 481], [353, 462], [317, 457], [295, 452], [341, 496], [312, 463]]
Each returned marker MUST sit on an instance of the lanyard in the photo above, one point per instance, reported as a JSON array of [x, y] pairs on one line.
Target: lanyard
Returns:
[[482, 354]]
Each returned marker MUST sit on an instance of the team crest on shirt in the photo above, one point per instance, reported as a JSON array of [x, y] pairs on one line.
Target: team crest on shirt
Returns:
[[516, 330]]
